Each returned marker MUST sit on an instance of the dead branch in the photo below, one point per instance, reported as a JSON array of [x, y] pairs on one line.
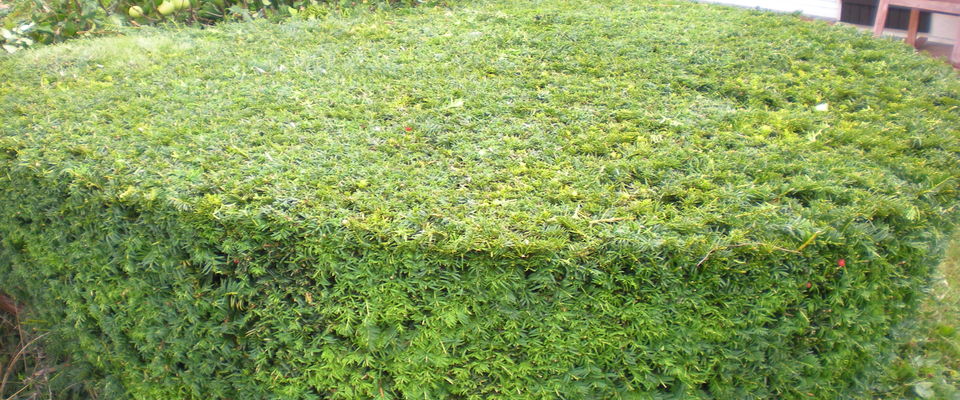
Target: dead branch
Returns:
[[13, 362]]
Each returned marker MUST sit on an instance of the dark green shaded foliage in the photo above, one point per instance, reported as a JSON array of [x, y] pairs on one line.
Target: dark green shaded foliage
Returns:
[[510, 200]]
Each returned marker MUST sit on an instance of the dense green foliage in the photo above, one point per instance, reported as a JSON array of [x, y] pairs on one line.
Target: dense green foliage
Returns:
[[553, 199]]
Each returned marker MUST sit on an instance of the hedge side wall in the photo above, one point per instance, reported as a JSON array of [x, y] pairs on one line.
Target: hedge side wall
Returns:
[[537, 200]]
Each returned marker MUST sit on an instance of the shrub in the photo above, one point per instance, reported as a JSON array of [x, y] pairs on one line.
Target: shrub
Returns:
[[610, 199], [56, 20]]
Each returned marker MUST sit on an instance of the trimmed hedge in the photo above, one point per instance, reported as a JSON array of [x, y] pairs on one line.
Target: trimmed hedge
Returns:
[[516, 200]]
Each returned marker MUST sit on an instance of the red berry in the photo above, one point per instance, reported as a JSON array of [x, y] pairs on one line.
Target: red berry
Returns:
[[407, 128], [808, 285], [842, 263]]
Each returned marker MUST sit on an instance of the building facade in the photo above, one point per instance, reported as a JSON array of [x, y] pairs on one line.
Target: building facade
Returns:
[[941, 28]]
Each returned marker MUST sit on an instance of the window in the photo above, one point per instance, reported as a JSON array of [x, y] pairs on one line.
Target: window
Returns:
[[863, 12]]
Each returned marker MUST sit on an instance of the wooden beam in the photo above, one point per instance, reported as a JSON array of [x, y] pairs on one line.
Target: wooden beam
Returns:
[[944, 6], [914, 27], [882, 9]]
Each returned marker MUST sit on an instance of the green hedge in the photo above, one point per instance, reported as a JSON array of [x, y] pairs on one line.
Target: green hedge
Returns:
[[514, 200]]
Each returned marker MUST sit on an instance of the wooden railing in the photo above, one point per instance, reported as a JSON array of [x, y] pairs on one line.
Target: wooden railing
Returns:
[[916, 6]]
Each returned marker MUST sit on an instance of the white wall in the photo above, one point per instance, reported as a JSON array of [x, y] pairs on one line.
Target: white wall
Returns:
[[817, 8], [944, 28]]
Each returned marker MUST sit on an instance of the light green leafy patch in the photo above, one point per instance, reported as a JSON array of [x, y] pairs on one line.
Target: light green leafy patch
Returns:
[[113, 53]]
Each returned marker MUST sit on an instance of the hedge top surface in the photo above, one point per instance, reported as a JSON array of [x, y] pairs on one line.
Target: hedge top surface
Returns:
[[519, 129]]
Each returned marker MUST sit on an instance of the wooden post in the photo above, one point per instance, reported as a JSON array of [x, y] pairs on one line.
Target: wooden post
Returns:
[[914, 27], [955, 55], [882, 9]]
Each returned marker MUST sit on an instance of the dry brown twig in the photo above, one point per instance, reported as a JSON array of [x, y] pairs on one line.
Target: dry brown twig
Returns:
[[733, 246], [13, 361]]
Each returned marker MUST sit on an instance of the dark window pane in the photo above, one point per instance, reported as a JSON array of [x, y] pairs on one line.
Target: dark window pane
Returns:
[[863, 12]]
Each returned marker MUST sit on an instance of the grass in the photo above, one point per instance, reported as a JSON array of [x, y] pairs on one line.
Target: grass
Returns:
[[500, 200], [927, 364]]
